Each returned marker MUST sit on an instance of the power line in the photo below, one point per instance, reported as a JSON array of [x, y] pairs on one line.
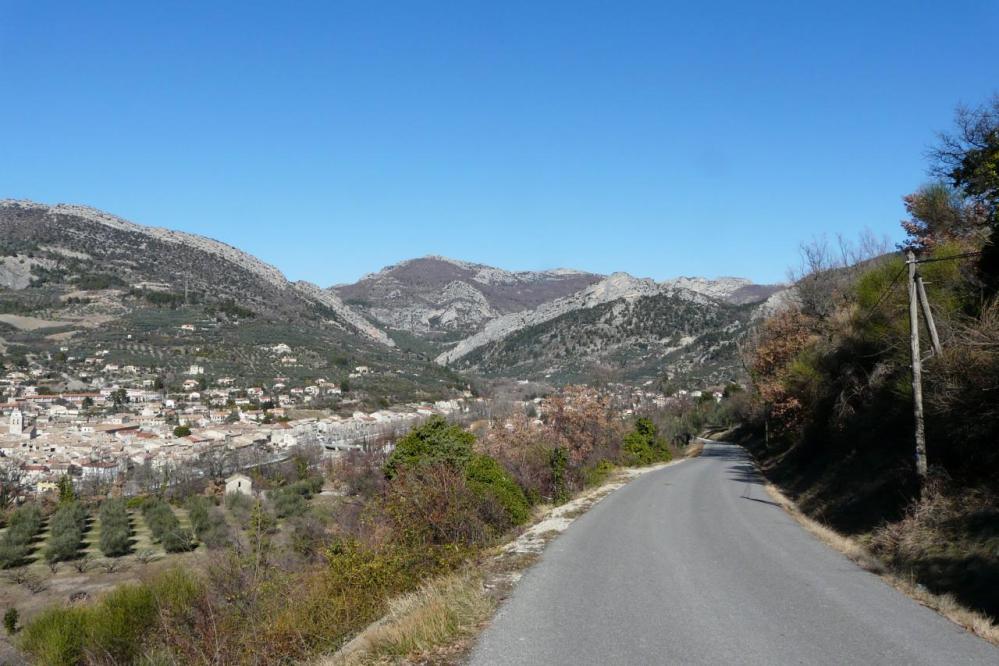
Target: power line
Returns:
[[894, 280], [953, 256], [884, 294]]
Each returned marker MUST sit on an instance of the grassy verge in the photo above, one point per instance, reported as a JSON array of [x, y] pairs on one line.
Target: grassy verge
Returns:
[[434, 620]]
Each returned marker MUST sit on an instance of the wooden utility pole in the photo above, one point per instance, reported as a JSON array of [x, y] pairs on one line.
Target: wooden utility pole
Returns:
[[928, 315], [917, 366]]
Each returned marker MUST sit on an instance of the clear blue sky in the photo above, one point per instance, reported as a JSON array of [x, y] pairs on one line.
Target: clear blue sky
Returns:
[[332, 138]]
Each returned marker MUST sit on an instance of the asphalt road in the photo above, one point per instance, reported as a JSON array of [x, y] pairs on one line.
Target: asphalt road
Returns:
[[694, 564]]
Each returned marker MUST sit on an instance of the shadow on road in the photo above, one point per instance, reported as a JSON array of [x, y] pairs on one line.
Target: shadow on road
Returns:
[[761, 501], [724, 452], [745, 473], [740, 471]]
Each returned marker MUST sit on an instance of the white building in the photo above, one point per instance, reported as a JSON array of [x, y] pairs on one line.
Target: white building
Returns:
[[239, 483], [16, 422]]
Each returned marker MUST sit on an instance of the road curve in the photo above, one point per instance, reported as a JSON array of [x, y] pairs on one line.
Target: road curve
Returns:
[[694, 564]]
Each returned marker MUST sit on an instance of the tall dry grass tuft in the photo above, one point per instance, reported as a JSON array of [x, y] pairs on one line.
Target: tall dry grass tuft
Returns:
[[695, 449], [440, 613]]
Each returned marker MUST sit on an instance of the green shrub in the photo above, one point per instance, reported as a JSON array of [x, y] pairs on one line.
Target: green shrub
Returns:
[[208, 522], [178, 540], [487, 479], [116, 528], [66, 532], [558, 461], [217, 534], [28, 516], [12, 553], [636, 450], [315, 484], [241, 507], [290, 500], [56, 637], [436, 441], [22, 527], [306, 487], [288, 503], [175, 590], [166, 528], [197, 513], [117, 629], [10, 619], [117, 625], [434, 505], [437, 444], [597, 474], [136, 502], [238, 501], [643, 445]]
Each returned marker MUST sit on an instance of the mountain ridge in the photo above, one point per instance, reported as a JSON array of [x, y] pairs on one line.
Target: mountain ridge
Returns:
[[431, 307]]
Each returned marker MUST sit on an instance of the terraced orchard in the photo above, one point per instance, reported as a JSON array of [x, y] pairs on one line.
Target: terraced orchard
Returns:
[[54, 553]]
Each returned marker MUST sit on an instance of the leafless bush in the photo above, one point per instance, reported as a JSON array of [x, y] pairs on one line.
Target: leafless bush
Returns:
[[146, 555], [83, 564], [360, 473], [112, 565], [432, 504], [16, 576], [827, 270], [935, 523], [34, 583]]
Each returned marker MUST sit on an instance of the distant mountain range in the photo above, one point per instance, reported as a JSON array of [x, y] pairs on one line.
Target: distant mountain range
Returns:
[[564, 325], [75, 273]]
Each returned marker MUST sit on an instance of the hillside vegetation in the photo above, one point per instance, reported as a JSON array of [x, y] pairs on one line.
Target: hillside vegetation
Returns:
[[834, 414], [74, 280], [625, 340], [435, 505]]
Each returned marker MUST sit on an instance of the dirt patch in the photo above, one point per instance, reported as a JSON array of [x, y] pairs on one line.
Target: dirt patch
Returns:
[[61, 337], [31, 323], [25, 323]]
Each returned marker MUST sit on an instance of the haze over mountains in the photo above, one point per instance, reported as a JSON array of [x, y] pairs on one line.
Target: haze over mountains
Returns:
[[72, 272]]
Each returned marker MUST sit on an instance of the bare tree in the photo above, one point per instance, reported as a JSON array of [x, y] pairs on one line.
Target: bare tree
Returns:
[[974, 135], [215, 462], [826, 271], [11, 483]]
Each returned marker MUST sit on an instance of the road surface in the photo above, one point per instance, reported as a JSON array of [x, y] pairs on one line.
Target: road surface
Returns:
[[694, 564]]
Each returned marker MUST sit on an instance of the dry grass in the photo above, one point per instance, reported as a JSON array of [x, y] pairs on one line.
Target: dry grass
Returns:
[[949, 607], [944, 604], [830, 537], [440, 613], [695, 449]]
